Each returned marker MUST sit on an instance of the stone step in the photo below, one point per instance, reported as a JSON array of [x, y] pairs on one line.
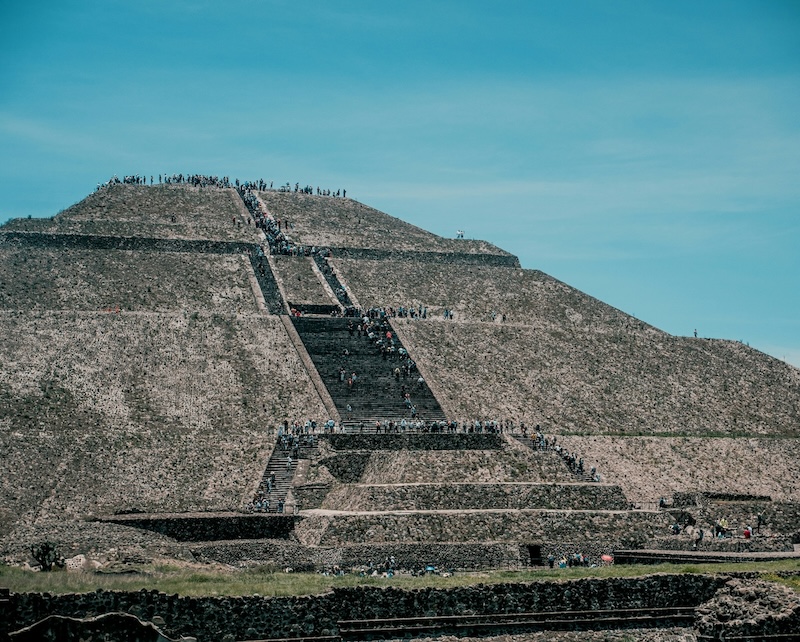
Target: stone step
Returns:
[[377, 393]]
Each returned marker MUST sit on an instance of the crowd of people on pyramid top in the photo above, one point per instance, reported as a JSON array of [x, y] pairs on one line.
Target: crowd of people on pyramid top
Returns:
[[205, 180], [308, 189], [195, 180], [262, 186]]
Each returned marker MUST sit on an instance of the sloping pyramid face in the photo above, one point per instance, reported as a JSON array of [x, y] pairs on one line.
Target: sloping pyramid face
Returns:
[[148, 357]]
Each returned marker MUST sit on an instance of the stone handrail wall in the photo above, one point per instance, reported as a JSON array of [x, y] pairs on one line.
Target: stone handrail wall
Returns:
[[476, 496], [209, 619]]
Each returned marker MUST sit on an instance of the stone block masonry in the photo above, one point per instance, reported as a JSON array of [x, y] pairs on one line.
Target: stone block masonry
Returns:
[[415, 441], [465, 496], [251, 617], [449, 258], [93, 242], [618, 529]]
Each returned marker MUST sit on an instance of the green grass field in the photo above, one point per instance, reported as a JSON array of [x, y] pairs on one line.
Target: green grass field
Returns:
[[267, 582]]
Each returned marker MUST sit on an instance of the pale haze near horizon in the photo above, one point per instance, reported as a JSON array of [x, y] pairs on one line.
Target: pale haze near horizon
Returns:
[[647, 154]]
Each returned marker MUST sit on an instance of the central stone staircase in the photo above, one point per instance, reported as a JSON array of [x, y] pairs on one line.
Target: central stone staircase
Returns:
[[377, 393]]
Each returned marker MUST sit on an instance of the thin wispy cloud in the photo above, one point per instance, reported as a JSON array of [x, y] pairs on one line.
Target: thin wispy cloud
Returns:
[[646, 154]]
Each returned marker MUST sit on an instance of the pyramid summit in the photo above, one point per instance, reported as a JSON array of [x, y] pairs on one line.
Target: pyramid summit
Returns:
[[290, 375]]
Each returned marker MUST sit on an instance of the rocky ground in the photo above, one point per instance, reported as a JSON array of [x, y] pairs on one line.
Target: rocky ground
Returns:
[[752, 607], [148, 412], [513, 463], [580, 381]]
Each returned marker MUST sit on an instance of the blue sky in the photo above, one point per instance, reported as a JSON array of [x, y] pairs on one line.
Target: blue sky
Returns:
[[647, 153]]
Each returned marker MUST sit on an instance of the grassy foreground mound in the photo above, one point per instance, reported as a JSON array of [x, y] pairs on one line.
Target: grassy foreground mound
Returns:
[[206, 580]]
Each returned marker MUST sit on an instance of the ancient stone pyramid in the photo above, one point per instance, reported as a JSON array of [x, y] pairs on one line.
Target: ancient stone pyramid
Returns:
[[156, 340]]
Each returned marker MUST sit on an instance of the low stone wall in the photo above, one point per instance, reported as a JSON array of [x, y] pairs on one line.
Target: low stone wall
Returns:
[[777, 517], [209, 619], [276, 555], [93, 242], [450, 258], [279, 555], [617, 529], [414, 441], [690, 498], [201, 528], [723, 545], [476, 496], [452, 556]]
